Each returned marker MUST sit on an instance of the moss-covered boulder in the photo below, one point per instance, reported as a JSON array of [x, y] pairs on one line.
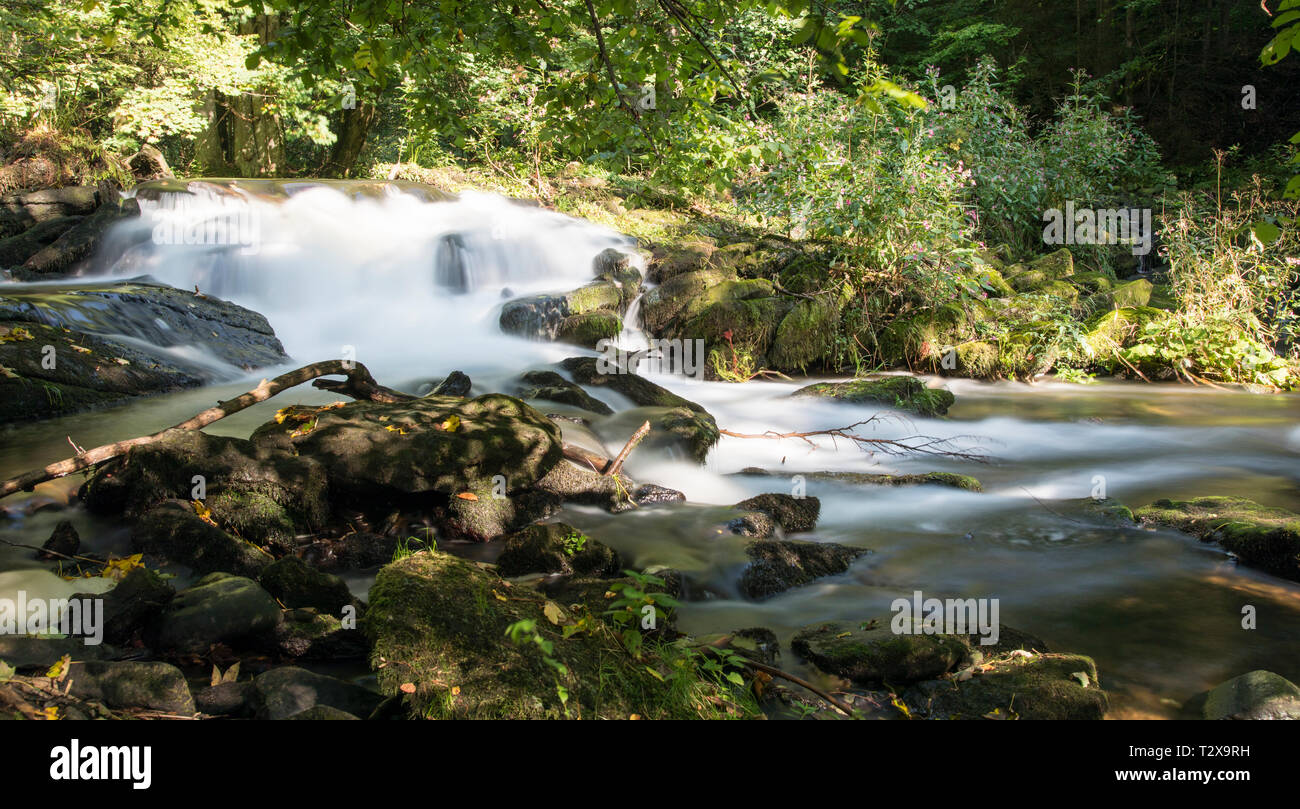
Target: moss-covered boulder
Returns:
[[219, 608], [434, 444], [779, 565], [129, 684], [872, 654], [795, 515], [440, 630], [667, 261], [1116, 328], [805, 336], [906, 393], [175, 532], [1039, 686], [552, 387], [977, 359], [661, 305], [556, 548], [1262, 537], [294, 583], [1127, 295], [265, 495], [589, 328], [1041, 271], [923, 337]]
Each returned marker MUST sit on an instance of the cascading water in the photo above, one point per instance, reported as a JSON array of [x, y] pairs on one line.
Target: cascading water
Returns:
[[408, 286]]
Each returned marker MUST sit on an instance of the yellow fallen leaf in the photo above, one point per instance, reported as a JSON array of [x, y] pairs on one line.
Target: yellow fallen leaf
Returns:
[[455, 690], [204, 512], [82, 349], [467, 496], [450, 424], [51, 713]]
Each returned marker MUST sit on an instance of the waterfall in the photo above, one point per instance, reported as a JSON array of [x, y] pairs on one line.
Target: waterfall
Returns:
[[397, 275]]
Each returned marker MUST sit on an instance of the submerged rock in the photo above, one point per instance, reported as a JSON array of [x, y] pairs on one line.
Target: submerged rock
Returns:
[[1254, 695], [793, 515], [906, 393], [779, 565], [557, 548], [552, 387], [1263, 537]]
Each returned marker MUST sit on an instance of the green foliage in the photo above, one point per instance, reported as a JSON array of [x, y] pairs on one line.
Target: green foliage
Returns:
[[638, 606]]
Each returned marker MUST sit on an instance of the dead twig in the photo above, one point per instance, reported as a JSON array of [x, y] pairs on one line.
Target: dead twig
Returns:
[[616, 465]]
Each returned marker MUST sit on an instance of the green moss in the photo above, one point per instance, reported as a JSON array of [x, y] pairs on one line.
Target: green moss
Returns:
[[977, 359], [589, 328], [439, 624], [1042, 686], [806, 335], [875, 655], [1263, 537], [899, 392]]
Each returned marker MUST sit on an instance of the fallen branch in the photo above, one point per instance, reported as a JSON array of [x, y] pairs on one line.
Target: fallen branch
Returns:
[[585, 457], [359, 385], [616, 465], [842, 707], [916, 444]]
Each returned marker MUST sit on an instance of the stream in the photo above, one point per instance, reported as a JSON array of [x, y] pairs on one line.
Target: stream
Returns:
[[413, 289]]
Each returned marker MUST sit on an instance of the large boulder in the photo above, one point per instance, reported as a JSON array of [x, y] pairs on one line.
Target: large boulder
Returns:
[[127, 685], [18, 212], [77, 245], [441, 445], [177, 533], [1254, 695], [1263, 537], [16, 249], [218, 609], [294, 583], [806, 336]]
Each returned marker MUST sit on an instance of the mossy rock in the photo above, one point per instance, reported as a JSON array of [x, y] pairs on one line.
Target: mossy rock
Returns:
[[795, 515], [1056, 266], [752, 325], [992, 281], [1041, 686], [1029, 353], [977, 359], [219, 608], [661, 305], [586, 371], [1091, 282], [1116, 328], [667, 261], [1127, 295], [1254, 695], [439, 626], [875, 655], [556, 548], [589, 328], [434, 444], [594, 296], [1262, 537], [956, 481], [806, 336], [552, 387], [1111, 510], [294, 583], [1061, 289], [922, 337], [176, 533], [906, 393], [779, 565], [126, 685]]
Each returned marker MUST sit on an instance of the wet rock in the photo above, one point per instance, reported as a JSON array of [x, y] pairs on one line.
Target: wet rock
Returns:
[[571, 483], [360, 549], [795, 515], [589, 328], [586, 371], [490, 516], [1045, 686], [135, 602], [307, 634], [429, 445], [779, 565], [556, 548], [1254, 695], [906, 393], [234, 700], [874, 655], [662, 306], [284, 692], [1110, 510], [16, 249], [126, 685], [1263, 537], [77, 244], [176, 533], [158, 315], [18, 212], [457, 383], [218, 609], [552, 387], [265, 494], [650, 494], [64, 541], [30, 653], [757, 643], [668, 261], [293, 583], [149, 164]]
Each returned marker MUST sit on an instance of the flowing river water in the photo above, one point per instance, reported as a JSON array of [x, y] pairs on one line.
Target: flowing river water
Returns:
[[413, 289]]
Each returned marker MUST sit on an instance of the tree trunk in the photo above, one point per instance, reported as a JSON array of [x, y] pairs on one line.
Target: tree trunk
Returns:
[[354, 127]]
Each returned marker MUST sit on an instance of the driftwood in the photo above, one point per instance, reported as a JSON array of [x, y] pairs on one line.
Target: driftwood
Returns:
[[918, 444], [359, 385], [615, 466]]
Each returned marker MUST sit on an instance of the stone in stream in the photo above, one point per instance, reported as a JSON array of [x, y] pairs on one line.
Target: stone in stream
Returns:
[[16, 249], [556, 548], [218, 609], [75, 246], [132, 685], [175, 532], [1254, 695], [294, 583], [18, 212], [874, 655], [64, 541], [552, 387], [32, 653], [306, 634], [457, 383], [779, 565], [1262, 537], [284, 692], [905, 393], [265, 494], [794, 515], [134, 603], [234, 700], [1036, 686], [956, 481]]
